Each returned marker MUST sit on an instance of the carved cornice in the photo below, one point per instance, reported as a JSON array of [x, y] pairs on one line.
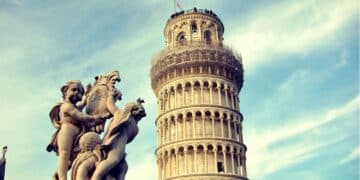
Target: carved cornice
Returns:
[[171, 60], [219, 176], [200, 141], [185, 109]]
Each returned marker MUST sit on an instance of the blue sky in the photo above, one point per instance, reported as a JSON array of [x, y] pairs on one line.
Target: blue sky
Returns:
[[300, 98]]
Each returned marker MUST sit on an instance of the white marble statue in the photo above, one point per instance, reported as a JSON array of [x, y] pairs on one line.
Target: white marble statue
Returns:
[[69, 121], [77, 141]]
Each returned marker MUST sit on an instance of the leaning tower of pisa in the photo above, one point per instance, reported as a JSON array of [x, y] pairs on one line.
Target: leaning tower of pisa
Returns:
[[197, 81]]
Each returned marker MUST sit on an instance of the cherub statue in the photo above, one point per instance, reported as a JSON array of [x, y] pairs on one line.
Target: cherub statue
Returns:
[[102, 97], [86, 160], [69, 121], [122, 130]]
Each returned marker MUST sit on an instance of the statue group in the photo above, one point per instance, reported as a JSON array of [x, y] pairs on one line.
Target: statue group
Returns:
[[76, 141]]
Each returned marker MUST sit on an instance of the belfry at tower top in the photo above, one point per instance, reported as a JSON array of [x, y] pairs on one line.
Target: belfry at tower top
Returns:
[[192, 27]]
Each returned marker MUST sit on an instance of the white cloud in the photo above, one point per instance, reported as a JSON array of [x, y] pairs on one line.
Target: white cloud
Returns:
[[290, 28], [264, 159], [307, 123], [355, 154]]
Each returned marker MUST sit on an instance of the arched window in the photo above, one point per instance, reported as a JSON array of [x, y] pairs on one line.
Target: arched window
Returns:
[[181, 38], [193, 28], [207, 37]]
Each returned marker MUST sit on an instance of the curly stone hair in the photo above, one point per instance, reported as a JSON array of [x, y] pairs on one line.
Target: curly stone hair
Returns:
[[65, 87]]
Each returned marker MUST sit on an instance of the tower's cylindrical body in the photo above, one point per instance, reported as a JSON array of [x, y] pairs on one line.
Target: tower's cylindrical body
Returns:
[[197, 82]]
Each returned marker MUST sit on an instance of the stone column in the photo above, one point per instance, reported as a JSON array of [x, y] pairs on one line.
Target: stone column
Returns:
[[176, 129], [201, 93], [205, 159], [175, 97], [170, 164], [159, 168], [184, 127], [169, 130], [203, 123], [240, 133], [239, 163], [177, 162], [213, 125], [211, 94], [185, 158], [215, 159], [162, 132], [184, 95], [229, 127], [226, 97], [163, 168], [225, 159], [232, 100], [192, 93], [244, 164], [217, 35], [219, 96], [222, 126], [235, 131], [193, 124], [195, 160], [232, 161], [169, 102]]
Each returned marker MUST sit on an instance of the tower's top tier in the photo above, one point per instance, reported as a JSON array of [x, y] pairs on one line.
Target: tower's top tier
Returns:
[[195, 26]]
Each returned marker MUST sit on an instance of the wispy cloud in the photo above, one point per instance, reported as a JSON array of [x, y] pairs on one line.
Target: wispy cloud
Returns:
[[263, 157], [290, 28], [353, 155], [307, 123]]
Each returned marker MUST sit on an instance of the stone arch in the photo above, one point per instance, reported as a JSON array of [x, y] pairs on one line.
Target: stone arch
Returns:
[[181, 38], [194, 27], [207, 37]]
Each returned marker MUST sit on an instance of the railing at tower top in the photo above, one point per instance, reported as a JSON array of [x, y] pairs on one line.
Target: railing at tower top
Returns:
[[194, 45], [194, 10]]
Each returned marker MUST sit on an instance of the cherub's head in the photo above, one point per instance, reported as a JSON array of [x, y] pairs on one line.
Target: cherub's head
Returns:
[[136, 109], [89, 141], [108, 79], [72, 91], [113, 77]]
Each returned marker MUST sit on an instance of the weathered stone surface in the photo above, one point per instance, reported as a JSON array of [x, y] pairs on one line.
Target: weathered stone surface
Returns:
[[76, 140], [197, 81]]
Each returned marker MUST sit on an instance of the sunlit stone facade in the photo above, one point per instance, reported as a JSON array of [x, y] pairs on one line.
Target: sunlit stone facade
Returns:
[[197, 81]]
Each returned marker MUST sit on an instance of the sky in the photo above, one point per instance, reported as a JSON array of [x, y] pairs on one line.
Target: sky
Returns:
[[300, 98]]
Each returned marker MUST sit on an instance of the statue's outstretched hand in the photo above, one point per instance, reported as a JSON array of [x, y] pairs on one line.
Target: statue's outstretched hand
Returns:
[[102, 117]]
